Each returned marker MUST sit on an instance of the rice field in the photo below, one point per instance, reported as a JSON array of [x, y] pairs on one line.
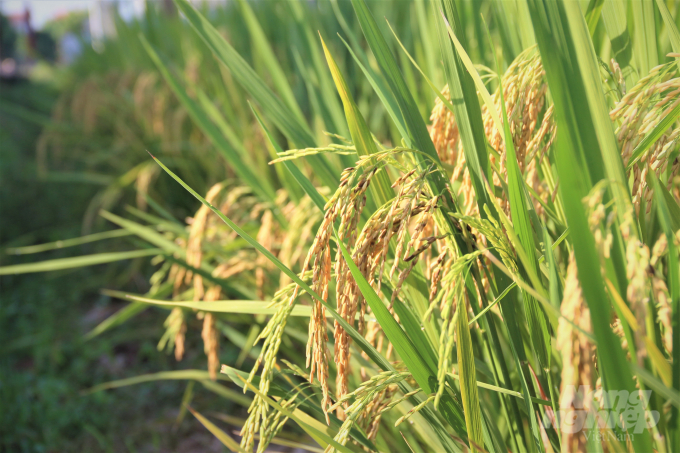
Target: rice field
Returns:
[[426, 226]]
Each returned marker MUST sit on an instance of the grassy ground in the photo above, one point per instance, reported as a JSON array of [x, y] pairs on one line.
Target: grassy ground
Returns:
[[45, 364]]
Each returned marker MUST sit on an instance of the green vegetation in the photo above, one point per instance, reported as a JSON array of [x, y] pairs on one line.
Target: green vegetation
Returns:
[[454, 229]]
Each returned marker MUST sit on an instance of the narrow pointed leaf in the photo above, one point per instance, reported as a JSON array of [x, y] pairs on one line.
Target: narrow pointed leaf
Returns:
[[76, 261], [361, 136], [68, 242], [223, 437], [468, 383], [201, 119], [291, 126]]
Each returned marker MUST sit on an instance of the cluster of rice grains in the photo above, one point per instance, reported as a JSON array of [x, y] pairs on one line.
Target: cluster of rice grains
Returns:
[[209, 246], [408, 219], [531, 123], [577, 353], [403, 233], [638, 112]]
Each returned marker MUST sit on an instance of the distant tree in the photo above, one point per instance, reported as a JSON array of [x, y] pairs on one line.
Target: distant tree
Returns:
[[46, 46], [8, 38]]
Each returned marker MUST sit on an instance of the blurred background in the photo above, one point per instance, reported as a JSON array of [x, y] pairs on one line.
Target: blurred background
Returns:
[[60, 87]]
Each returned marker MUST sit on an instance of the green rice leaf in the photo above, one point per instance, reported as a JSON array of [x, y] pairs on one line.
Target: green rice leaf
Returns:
[[553, 273], [68, 242], [266, 53], [144, 232], [655, 384], [291, 126], [665, 208], [644, 46], [434, 88], [654, 135], [519, 208], [249, 307], [177, 375], [505, 391], [313, 56], [479, 83], [671, 27], [417, 134], [378, 84], [593, 13], [301, 179], [198, 114], [466, 107], [223, 437], [358, 129], [119, 317], [468, 383], [614, 18], [77, 261]]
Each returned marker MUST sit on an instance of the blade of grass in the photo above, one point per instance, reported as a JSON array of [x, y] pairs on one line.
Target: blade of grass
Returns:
[[614, 18], [176, 375], [67, 242], [468, 117], [306, 185], [223, 437], [175, 227], [479, 83], [593, 13], [198, 114], [77, 261], [673, 32], [505, 391], [144, 232], [117, 318], [466, 110], [291, 126], [644, 46], [468, 383], [301, 20], [417, 133], [654, 135], [266, 53], [655, 384], [378, 84], [663, 369], [251, 307], [358, 129], [427, 79], [555, 284], [537, 324]]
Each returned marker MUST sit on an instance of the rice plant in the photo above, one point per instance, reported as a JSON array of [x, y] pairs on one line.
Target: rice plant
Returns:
[[496, 272]]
